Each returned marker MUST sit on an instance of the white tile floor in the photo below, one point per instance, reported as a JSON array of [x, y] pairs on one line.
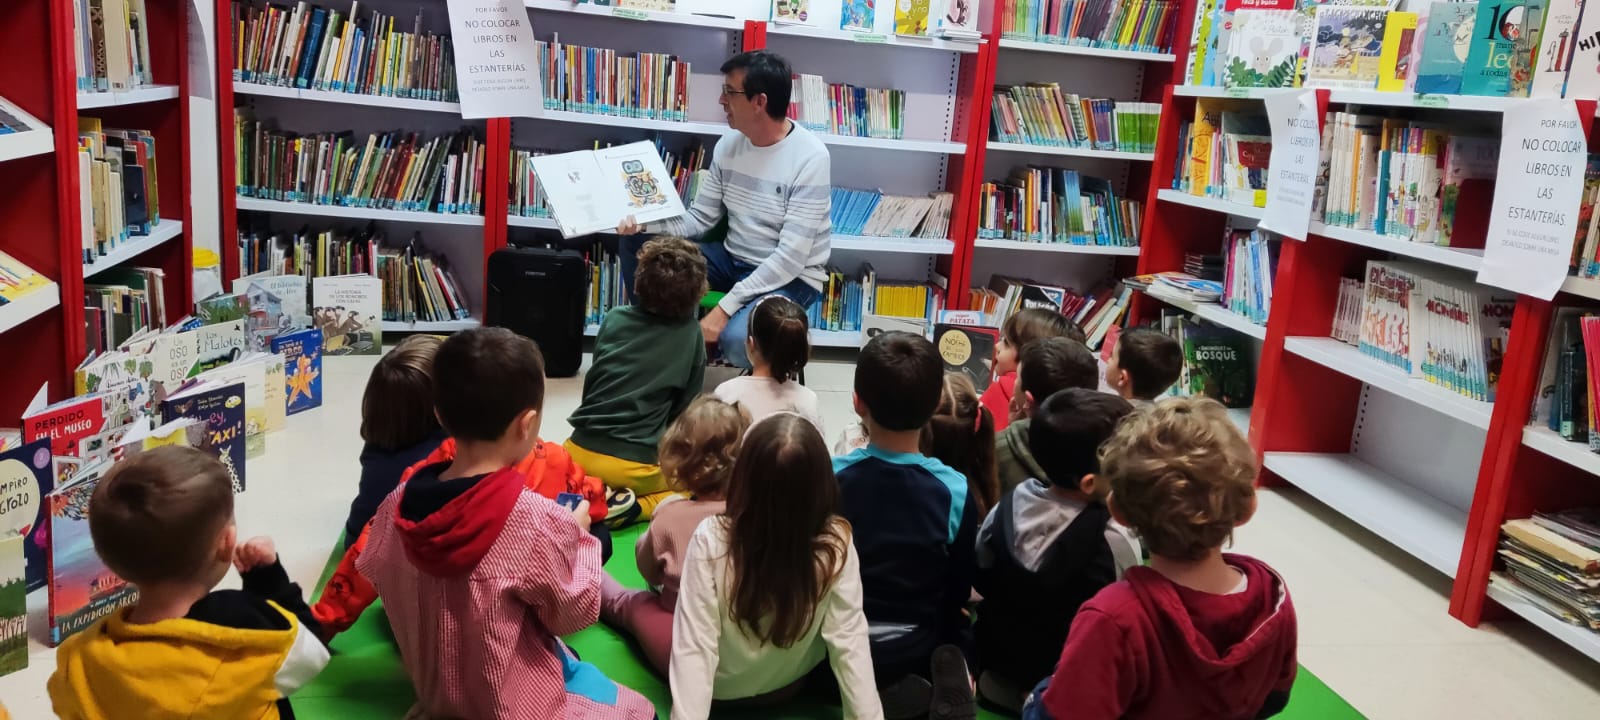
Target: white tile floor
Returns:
[[1373, 624]]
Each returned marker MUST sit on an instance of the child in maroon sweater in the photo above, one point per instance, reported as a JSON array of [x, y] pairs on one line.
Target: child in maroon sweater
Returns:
[[1198, 633]]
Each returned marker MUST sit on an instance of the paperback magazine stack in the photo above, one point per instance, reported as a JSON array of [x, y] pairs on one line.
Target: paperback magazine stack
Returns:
[[1040, 114], [318, 48], [1057, 205], [844, 109], [1228, 146], [1095, 311], [1140, 25], [119, 198], [528, 199], [600, 81], [1406, 180], [1552, 561], [1435, 324], [111, 44], [873, 214], [387, 171]]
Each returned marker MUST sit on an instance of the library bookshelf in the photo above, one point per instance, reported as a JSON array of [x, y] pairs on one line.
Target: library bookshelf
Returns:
[[40, 210]]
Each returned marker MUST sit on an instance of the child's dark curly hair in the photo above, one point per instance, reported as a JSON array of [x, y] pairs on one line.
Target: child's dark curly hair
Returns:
[[671, 278], [697, 451]]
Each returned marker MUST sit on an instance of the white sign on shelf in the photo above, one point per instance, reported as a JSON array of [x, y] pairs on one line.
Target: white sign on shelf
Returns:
[[1292, 167], [497, 62], [1537, 192]]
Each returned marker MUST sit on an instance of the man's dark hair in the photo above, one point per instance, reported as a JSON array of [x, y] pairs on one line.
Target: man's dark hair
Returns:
[[1066, 432], [1049, 365], [1153, 360], [899, 378], [671, 277], [156, 516], [765, 73], [483, 379]]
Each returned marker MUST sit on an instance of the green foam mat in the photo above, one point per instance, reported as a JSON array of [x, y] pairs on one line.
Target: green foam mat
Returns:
[[366, 680]]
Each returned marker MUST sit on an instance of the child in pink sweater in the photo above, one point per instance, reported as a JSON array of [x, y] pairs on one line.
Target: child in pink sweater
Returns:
[[696, 455]]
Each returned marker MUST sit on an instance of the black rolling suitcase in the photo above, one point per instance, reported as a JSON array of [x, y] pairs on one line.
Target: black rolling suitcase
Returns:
[[540, 294]]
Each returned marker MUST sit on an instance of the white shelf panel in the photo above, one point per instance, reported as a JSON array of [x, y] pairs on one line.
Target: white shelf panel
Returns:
[[532, 222], [29, 306], [1420, 524], [694, 128], [997, 146], [1024, 246], [1583, 640], [1540, 437], [1216, 314], [1587, 287], [944, 147], [167, 230], [1349, 360], [819, 338], [653, 16], [27, 144], [431, 327], [1045, 47], [1210, 203], [898, 41], [1465, 259], [340, 211], [915, 246], [152, 93], [1365, 97], [247, 88]]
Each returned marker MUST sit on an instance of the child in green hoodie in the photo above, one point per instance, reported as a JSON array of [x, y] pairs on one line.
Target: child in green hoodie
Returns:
[[1043, 367]]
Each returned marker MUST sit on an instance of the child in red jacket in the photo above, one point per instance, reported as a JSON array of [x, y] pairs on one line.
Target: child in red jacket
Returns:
[[1199, 633], [1023, 327]]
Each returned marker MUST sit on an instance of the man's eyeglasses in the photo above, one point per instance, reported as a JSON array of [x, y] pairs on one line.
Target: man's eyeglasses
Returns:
[[732, 91]]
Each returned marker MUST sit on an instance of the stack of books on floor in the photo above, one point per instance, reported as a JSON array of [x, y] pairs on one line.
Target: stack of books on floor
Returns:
[[600, 81], [119, 197], [870, 213], [1145, 25], [387, 171], [18, 280], [111, 44], [1552, 560], [1229, 144], [844, 109], [121, 303], [1095, 311], [1057, 205], [1040, 114], [528, 198], [313, 47], [1435, 324], [1406, 180], [1216, 360], [1250, 262], [846, 298]]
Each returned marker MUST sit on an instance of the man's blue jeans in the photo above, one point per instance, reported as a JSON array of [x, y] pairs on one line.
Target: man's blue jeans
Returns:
[[723, 270]]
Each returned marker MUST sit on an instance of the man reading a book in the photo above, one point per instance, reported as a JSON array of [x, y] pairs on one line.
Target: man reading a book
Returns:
[[771, 181]]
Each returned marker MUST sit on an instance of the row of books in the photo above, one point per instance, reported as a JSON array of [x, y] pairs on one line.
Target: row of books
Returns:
[[1228, 149], [118, 194], [417, 285], [1435, 324], [1216, 360], [17, 280], [1057, 205], [844, 109], [310, 46], [529, 199], [1406, 180], [1095, 311], [1040, 114], [949, 19], [1249, 263], [121, 303], [1552, 560], [847, 298], [1566, 400], [607, 82], [389, 171], [873, 214], [606, 289], [111, 44], [1586, 244], [1143, 25]]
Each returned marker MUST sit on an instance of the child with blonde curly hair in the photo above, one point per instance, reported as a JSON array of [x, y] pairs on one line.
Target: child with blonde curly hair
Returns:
[[696, 454]]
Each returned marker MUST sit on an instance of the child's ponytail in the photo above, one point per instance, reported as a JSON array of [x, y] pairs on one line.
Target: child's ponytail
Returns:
[[961, 435], [781, 334]]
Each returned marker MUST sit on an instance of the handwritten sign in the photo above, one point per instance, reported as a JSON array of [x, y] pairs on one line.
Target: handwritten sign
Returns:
[[1292, 168], [1537, 192], [497, 65]]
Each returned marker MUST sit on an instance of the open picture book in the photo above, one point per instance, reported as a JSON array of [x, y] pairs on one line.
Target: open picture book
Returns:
[[592, 191]]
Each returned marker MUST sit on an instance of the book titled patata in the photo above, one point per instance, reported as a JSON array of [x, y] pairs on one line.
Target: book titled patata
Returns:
[[595, 190]]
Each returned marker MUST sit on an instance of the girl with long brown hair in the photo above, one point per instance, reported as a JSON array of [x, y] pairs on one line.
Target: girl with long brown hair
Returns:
[[961, 435], [774, 585]]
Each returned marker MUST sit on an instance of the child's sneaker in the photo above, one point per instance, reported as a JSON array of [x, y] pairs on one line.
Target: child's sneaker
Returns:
[[622, 508], [952, 686], [907, 698]]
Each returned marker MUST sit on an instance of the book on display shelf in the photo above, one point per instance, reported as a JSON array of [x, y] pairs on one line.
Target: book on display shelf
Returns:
[[111, 44], [348, 309], [120, 198], [121, 303], [1435, 324], [1228, 146], [1141, 25], [27, 476]]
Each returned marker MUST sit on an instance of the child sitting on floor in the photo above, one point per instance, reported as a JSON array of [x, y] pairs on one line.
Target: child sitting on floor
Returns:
[[1144, 363], [398, 426], [1045, 367], [1023, 327], [163, 521], [961, 435], [1198, 633], [779, 345], [1048, 547], [697, 455], [649, 362], [773, 585], [480, 576]]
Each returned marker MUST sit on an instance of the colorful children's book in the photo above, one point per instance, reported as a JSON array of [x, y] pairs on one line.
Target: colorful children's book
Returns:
[[967, 350], [221, 308], [13, 606], [1394, 61], [1557, 42], [251, 372], [1445, 46], [1583, 73], [858, 15], [1346, 46], [1202, 43], [911, 17], [222, 409], [1217, 361], [67, 422], [277, 305], [82, 590], [27, 476], [18, 280], [791, 12], [1494, 61], [349, 311], [1263, 49], [217, 345], [1467, 193], [302, 362]]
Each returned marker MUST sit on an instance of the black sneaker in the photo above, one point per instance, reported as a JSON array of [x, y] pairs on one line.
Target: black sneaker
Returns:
[[907, 698], [952, 686], [622, 508]]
